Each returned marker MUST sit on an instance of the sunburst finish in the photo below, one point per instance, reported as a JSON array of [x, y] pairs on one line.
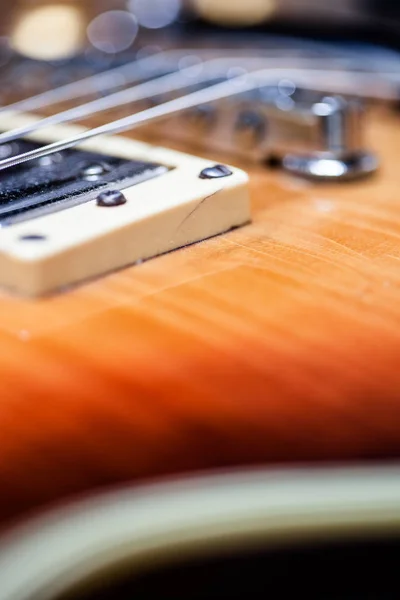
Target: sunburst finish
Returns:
[[278, 342]]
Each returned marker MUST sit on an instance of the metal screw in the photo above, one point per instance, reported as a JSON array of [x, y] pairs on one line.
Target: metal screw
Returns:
[[111, 198], [95, 171], [215, 172], [32, 237], [7, 150], [50, 160]]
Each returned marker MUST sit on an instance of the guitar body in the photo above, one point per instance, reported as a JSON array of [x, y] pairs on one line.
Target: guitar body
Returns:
[[275, 343], [234, 394]]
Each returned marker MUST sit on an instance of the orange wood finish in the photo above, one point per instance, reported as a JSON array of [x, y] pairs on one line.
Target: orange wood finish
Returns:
[[276, 342]]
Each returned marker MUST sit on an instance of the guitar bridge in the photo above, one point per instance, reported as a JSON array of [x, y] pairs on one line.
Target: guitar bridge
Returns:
[[315, 136], [300, 118]]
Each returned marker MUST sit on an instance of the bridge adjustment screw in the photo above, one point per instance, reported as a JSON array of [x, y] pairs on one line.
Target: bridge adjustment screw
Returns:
[[111, 198], [215, 172], [94, 172]]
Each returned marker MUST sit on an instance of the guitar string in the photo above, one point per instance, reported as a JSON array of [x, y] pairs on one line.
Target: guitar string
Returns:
[[106, 80], [149, 89], [232, 87], [213, 69], [160, 63], [129, 73]]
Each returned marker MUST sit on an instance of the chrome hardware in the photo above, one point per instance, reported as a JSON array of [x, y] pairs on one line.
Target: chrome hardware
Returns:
[[339, 153], [313, 136], [94, 172], [302, 128], [352, 166], [49, 161], [215, 172]]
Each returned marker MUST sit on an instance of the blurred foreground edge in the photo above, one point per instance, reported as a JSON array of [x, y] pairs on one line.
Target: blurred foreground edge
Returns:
[[159, 524]]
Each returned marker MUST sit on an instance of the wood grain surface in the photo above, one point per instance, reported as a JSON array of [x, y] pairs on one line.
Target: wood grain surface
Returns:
[[279, 342]]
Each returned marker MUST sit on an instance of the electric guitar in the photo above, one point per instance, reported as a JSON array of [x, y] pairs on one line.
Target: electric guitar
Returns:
[[199, 361]]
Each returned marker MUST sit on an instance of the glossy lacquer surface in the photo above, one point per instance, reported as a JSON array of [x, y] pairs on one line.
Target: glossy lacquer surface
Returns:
[[277, 342]]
